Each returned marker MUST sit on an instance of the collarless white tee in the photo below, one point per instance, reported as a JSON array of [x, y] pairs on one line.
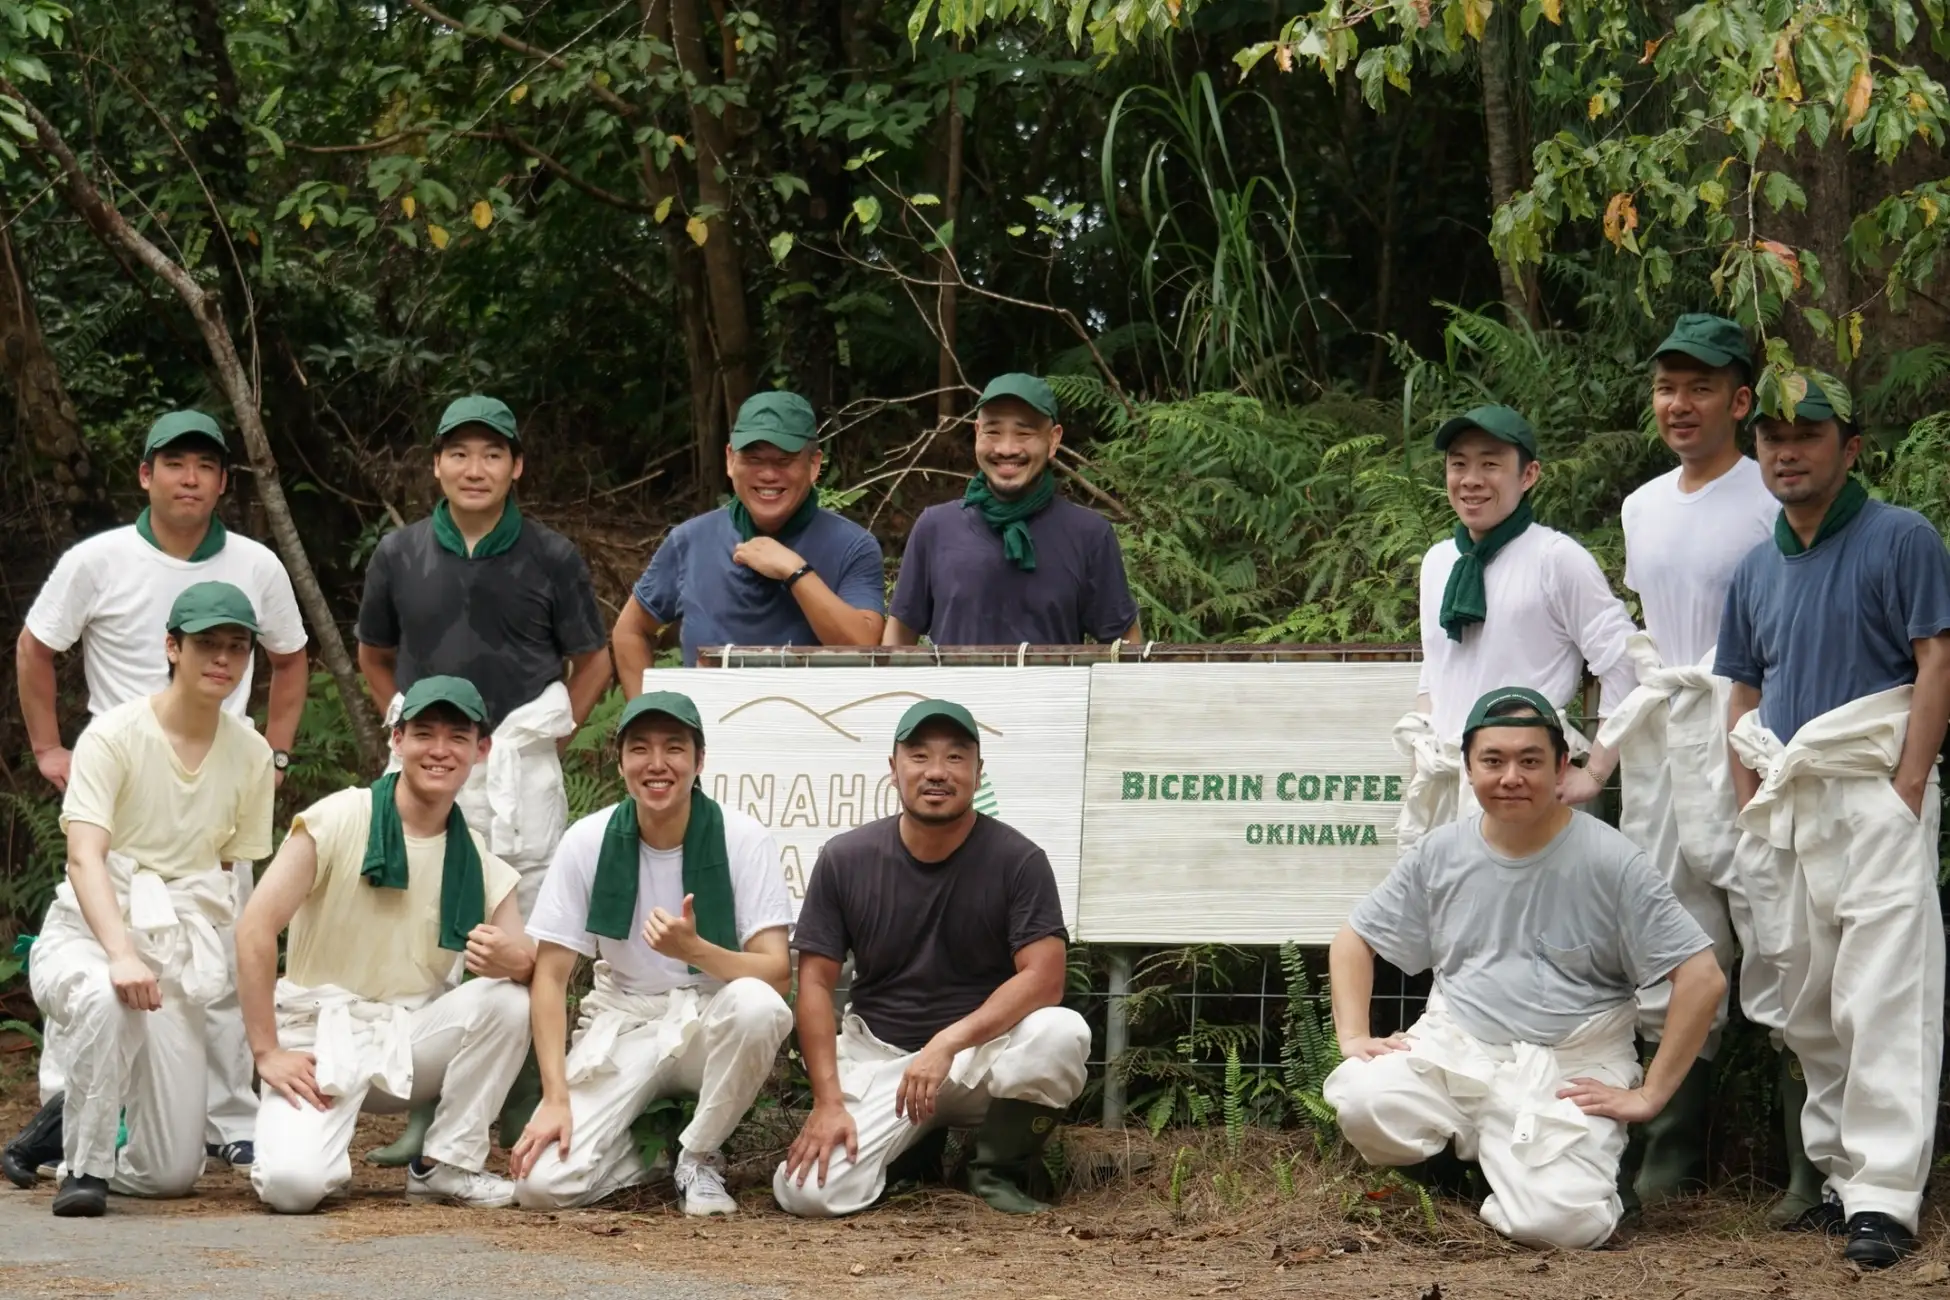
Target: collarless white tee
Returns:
[[112, 592], [1550, 612], [1681, 549]]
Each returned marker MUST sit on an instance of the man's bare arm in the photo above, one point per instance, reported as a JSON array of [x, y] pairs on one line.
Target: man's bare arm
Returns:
[[633, 644], [34, 674], [1746, 782], [287, 883], [290, 676], [589, 677], [1929, 713], [379, 665]]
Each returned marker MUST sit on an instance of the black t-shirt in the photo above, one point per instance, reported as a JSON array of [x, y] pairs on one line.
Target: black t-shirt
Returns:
[[930, 940], [504, 622]]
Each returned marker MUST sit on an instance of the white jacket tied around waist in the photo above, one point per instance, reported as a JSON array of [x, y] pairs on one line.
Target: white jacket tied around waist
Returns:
[[1677, 718], [608, 1012], [516, 800], [354, 1040], [174, 924], [1526, 1077]]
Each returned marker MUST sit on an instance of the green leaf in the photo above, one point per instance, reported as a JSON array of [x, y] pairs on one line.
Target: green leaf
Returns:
[[780, 245], [924, 200], [866, 211]]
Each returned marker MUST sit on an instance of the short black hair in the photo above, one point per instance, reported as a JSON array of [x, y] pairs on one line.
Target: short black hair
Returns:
[[177, 634], [439, 711], [697, 737], [191, 442], [1742, 372], [1560, 748]]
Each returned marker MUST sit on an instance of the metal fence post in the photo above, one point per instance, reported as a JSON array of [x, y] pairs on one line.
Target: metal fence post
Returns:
[[1117, 1036]]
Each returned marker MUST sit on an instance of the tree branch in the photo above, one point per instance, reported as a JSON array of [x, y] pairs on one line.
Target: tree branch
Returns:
[[515, 142], [604, 95]]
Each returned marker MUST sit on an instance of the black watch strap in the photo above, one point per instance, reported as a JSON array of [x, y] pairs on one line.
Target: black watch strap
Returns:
[[797, 574]]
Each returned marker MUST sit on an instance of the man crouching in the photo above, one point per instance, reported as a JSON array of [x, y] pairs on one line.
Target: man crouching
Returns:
[[389, 895], [1540, 923]]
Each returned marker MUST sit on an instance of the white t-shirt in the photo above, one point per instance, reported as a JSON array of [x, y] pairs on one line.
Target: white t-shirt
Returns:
[[112, 593], [1681, 549], [1550, 612], [561, 916]]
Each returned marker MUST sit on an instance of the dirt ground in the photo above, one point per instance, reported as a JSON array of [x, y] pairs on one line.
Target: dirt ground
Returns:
[[1116, 1233]]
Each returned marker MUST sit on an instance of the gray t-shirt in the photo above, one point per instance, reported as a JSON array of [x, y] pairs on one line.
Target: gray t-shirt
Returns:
[[1814, 631], [958, 588], [1527, 949]]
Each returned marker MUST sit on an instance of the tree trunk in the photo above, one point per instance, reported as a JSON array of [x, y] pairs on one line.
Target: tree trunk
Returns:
[[1506, 153], [947, 376], [1822, 230], [41, 403], [111, 228]]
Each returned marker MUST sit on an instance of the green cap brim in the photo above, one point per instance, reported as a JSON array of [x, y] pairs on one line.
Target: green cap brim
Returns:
[[455, 692], [679, 708], [1545, 716], [926, 711]]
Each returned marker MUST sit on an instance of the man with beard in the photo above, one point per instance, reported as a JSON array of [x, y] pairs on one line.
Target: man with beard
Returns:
[[1506, 600], [683, 905], [958, 947], [162, 793], [111, 594], [769, 569], [1012, 561], [389, 896], [1540, 923], [1837, 639]]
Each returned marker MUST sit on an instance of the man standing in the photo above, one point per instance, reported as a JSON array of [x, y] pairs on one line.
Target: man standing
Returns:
[[771, 568], [1012, 561], [1685, 534], [1837, 639], [389, 895], [683, 905], [1505, 600], [1540, 923], [112, 594], [956, 1018], [162, 792]]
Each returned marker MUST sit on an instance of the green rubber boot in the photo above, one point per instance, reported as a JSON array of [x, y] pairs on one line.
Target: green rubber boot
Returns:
[[1007, 1147], [1673, 1160], [523, 1096], [1804, 1180], [406, 1148]]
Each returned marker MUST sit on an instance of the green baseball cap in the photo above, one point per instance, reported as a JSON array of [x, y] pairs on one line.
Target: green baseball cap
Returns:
[[456, 691], [212, 604], [1815, 406], [927, 711], [1500, 422], [679, 708], [1025, 388], [783, 419], [476, 409], [1713, 340], [176, 426], [1479, 716]]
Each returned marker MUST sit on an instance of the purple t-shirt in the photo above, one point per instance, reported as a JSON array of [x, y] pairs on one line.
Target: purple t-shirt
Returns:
[[957, 588]]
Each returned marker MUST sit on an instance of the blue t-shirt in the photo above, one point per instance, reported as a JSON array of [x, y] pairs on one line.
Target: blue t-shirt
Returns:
[[1814, 631], [958, 588], [691, 580]]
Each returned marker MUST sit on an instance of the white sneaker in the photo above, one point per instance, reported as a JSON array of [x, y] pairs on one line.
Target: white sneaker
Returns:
[[700, 1184], [453, 1186]]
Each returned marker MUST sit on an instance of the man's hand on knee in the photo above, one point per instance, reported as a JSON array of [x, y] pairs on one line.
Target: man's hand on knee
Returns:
[[828, 1128], [1626, 1105], [295, 1077], [1366, 1048], [550, 1125], [921, 1083], [135, 984]]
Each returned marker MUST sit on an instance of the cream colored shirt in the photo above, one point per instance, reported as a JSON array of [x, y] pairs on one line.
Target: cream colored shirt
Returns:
[[382, 944], [127, 779]]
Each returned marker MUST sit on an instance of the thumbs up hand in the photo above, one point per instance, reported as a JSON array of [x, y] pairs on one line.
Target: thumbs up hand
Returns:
[[674, 936]]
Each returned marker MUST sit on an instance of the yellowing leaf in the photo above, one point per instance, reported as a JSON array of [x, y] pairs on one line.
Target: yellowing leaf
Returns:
[[1596, 108], [1916, 102], [1283, 56], [1857, 100], [1713, 194], [250, 237], [1554, 11], [483, 215], [1786, 256], [1652, 48], [1855, 333], [1794, 388], [1785, 75], [1621, 218], [676, 141], [1927, 206], [663, 209], [1476, 16], [697, 230], [518, 94], [408, 206], [305, 219], [437, 234]]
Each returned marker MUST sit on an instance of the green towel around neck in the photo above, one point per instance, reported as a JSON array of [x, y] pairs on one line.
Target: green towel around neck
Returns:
[[463, 895], [1011, 518], [500, 538], [1842, 510], [707, 875], [1463, 599], [213, 537], [747, 527]]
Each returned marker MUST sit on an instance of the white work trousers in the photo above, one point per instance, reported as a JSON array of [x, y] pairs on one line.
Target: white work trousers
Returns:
[[1552, 1170], [1847, 909], [467, 1046], [227, 1055], [718, 1047], [1041, 1061]]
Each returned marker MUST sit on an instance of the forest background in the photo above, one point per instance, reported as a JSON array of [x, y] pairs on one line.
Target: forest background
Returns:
[[1261, 247]]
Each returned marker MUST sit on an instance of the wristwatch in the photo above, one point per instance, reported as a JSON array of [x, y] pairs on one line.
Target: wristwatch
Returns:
[[797, 574], [280, 759]]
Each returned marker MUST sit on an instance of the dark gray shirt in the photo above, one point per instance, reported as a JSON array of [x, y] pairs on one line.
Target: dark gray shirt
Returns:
[[930, 940], [1814, 631], [957, 587], [504, 622]]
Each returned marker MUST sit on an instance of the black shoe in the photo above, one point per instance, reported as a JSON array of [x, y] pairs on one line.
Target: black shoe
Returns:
[[82, 1196], [36, 1145], [1876, 1240], [1826, 1218], [238, 1155]]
